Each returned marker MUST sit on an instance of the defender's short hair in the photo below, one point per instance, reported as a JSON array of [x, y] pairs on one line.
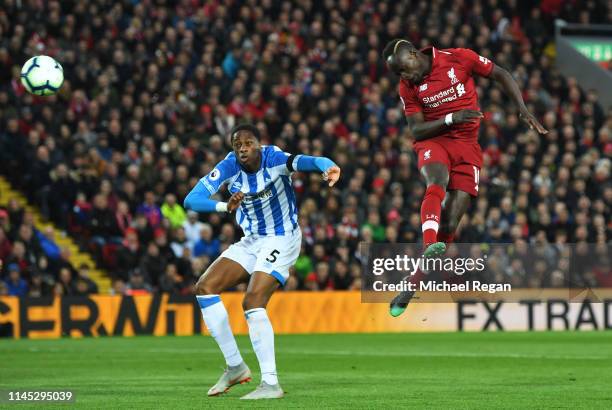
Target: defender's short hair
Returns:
[[244, 127]]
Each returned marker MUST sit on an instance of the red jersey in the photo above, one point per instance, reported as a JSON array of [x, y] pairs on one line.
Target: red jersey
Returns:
[[449, 87]]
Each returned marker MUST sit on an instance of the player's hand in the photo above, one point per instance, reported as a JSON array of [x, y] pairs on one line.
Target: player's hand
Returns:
[[332, 175], [464, 116], [532, 121], [234, 201]]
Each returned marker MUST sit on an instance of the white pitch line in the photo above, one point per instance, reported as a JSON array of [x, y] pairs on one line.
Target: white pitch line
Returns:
[[192, 351], [390, 354]]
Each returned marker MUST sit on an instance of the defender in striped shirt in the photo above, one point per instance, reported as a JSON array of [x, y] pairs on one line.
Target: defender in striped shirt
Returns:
[[259, 181]]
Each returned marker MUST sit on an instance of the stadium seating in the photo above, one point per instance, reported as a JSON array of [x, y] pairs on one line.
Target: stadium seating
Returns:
[[152, 90]]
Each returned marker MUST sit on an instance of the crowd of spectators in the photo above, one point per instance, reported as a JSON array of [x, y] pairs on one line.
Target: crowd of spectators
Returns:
[[32, 263], [152, 89]]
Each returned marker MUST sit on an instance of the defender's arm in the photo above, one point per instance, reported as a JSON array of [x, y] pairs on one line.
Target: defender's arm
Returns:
[[306, 163]]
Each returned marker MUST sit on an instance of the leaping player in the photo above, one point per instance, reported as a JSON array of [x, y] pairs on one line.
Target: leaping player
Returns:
[[259, 181], [441, 107]]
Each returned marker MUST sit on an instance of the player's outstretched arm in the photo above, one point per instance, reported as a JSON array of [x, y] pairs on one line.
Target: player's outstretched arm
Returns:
[[199, 200], [512, 89], [306, 163]]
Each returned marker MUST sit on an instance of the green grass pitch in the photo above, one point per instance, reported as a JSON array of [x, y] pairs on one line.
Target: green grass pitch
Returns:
[[444, 370]]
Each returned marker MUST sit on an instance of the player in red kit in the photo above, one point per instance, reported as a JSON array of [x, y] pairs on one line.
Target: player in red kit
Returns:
[[441, 107]]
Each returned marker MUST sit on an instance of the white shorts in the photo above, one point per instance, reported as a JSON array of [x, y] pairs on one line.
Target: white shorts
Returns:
[[270, 254]]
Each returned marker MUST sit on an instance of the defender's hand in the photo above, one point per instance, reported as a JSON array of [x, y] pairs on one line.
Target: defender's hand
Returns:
[[332, 175], [234, 201], [533, 123], [463, 116]]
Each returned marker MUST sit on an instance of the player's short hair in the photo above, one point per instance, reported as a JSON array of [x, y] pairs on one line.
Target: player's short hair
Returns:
[[244, 127], [393, 45]]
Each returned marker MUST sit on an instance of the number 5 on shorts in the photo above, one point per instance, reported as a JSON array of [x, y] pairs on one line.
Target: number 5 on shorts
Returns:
[[273, 255]]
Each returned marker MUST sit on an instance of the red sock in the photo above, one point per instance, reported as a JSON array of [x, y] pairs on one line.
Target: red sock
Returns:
[[431, 207], [446, 237]]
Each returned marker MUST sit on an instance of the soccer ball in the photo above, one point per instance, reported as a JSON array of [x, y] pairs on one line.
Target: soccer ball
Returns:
[[42, 75]]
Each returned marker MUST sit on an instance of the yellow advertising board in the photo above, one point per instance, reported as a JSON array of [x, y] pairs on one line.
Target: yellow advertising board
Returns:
[[294, 312]]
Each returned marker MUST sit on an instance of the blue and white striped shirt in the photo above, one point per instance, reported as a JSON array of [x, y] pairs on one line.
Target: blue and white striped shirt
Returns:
[[269, 207]]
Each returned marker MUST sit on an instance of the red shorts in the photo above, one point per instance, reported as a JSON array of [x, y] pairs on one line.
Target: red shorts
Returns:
[[462, 159]]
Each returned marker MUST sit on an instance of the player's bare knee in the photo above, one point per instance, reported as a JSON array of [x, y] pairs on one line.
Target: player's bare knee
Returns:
[[436, 174], [254, 300], [249, 302], [440, 180], [205, 286]]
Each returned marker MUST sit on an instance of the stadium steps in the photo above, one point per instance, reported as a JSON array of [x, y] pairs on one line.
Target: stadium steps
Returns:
[[60, 237]]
